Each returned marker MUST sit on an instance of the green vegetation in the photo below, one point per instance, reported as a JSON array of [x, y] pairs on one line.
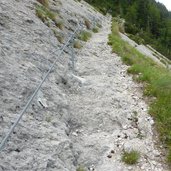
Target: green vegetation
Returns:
[[147, 19], [95, 30], [44, 2], [80, 168], [137, 39], [130, 157], [157, 83], [44, 13], [84, 36]]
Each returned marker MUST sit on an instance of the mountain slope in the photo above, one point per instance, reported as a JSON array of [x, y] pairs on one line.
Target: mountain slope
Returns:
[[27, 48], [147, 21]]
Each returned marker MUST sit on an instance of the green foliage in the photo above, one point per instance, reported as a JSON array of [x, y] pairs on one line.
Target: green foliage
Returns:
[[80, 168], [157, 83], [44, 13], [95, 30], [130, 157], [84, 36], [44, 2], [150, 19]]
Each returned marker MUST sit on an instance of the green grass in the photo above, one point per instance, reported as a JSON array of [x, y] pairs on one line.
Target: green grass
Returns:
[[85, 36], [44, 2], [130, 158], [44, 13], [157, 83], [95, 30], [80, 168]]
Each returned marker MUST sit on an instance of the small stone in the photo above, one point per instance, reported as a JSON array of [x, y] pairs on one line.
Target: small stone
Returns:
[[112, 151], [157, 154], [125, 127], [109, 156], [129, 168]]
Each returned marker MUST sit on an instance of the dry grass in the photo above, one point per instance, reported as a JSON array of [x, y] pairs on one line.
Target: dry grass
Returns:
[[59, 24], [77, 44], [44, 2], [59, 37], [44, 13]]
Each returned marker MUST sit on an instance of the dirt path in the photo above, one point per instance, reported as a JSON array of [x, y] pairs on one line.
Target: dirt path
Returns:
[[108, 113]]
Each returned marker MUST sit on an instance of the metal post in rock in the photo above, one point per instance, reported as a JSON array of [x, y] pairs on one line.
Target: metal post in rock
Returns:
[[72, 57]]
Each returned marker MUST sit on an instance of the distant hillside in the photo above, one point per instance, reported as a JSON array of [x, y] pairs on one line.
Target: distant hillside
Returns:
[[148, 19]]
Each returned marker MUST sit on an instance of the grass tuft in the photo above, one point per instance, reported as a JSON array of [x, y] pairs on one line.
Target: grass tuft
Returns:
[[130, 158], [80, 168], [85, 36], [95, 30], [44, 13]]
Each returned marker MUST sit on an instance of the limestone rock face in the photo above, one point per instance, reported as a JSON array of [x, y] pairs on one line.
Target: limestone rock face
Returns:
[[27, 48]]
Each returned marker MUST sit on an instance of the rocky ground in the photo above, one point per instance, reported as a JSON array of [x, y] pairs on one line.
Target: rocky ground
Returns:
[[75, 119]]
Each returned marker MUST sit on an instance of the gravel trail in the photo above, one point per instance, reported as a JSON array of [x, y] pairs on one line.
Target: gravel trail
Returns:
[[109, 114]]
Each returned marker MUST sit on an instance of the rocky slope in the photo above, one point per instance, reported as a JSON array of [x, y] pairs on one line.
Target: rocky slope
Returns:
[[74, 119], [27, 48]]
